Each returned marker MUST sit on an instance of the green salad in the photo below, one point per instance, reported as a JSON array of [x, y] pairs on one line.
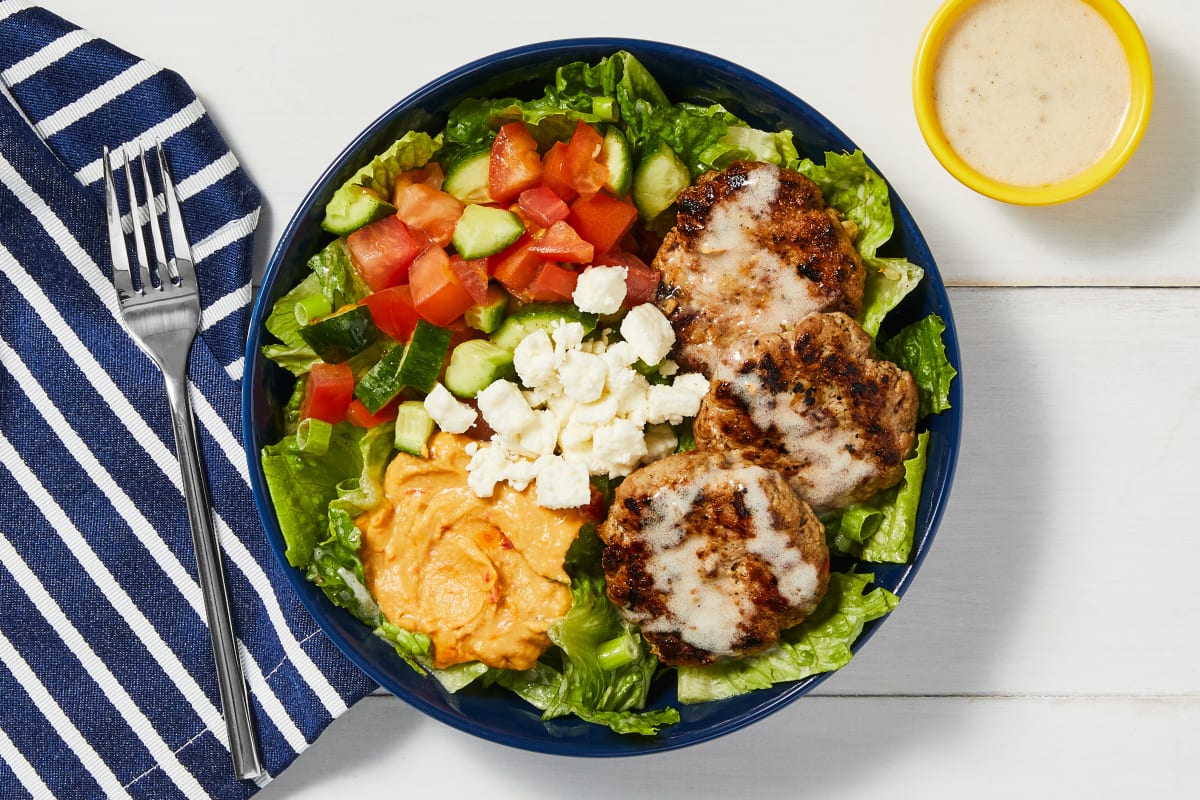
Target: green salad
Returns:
[[416, 303]]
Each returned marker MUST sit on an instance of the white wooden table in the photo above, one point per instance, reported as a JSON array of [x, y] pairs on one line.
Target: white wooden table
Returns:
[[1049, 646]]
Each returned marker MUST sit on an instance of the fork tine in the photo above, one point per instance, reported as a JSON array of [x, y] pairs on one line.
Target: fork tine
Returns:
[[135, 215], [160, 252], [183, 264], [122, 277]]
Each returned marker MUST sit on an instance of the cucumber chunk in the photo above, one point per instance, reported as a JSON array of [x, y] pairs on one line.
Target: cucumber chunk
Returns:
[[483, 231], [414, 426], [539, 316], [423, 356], [476, 364], [382, 381], [488, 315], [364, 197], [617, 156], [658, 180], [467, 177], [338, 337]]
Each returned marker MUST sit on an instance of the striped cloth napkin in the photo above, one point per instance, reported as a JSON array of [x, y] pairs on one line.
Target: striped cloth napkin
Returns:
[[106, 673]]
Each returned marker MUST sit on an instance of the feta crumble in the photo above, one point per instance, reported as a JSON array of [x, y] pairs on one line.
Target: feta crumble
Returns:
[[582, 409], [601, 290], [445, 409]]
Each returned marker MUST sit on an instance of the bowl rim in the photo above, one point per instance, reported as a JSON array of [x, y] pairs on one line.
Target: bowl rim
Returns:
[[772, 699], [1126, 141]]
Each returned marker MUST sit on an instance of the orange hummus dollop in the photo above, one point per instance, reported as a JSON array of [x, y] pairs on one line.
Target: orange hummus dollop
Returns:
[[482, 576]]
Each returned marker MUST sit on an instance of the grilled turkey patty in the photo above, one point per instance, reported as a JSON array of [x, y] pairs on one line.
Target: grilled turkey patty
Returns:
[[813, 404], [754, 250], [712, 556]]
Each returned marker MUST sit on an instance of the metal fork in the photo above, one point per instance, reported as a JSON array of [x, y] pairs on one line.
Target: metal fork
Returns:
[[160, 307]]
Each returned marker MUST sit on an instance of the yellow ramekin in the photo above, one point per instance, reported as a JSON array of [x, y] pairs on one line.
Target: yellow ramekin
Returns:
[[1123, 146]]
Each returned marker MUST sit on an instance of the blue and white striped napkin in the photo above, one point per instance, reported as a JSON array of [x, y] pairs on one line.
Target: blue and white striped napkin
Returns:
[[106, 674]]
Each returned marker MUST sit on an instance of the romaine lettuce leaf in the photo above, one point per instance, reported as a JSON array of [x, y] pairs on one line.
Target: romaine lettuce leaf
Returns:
[[374, 181], [584, 688], [861, 195], [340, 281], [819, 644], [882, 528], [919, 349]]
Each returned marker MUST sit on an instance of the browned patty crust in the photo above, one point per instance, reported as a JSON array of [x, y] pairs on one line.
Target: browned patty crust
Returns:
[[754, 250], [815, 405], [712, 556]]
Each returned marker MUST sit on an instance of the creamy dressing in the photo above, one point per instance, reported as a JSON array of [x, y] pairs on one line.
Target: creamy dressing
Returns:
[[739, 271], [1031, 92], [705, 607]]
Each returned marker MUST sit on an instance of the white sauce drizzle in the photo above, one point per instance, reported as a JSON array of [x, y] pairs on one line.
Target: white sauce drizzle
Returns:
[[831, 468], [706, 610], [737, 269]]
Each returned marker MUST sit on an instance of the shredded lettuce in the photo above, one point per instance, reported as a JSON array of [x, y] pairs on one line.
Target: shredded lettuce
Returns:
[[819, 644]]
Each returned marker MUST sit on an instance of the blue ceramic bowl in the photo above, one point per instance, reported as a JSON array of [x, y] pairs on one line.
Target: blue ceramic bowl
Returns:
[[684, 74]]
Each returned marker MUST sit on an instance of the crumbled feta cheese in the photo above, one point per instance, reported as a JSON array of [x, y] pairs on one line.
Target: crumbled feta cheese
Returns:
[[449, 414], [533, 359], [504, 408], [649, 332], [486, 469], [562, 483], [597, 412], [582, 376], [671, 403], [601, 290], [540, 436], [567, 336], [620, 444], [661, 442]]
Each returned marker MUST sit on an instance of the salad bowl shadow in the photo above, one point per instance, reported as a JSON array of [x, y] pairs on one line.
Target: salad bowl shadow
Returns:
[[685, 75]]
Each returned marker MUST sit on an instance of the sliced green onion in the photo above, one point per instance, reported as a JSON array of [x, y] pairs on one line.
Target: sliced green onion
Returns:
[[605, 108], [312, 436], [616, 653], [312, 307]]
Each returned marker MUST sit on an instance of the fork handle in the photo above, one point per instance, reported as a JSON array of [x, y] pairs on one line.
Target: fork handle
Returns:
[[235, 698]]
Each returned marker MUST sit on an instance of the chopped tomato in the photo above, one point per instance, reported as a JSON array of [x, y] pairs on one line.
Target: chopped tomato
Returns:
[[555, 174], [552, 284], [431, 174], [602, 219], [357, 413], [382, 252], [562, 243], [328, 392], [515, 266], [393, 312], [429, 212], [515, 164], [472, 275], [581, 165], [438, 295], [543, 205], [641, 281]]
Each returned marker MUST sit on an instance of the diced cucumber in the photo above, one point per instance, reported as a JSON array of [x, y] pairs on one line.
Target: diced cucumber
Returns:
[[488, 315], [616, 155], [483, 231], [414, 426], [475, 364], [467, 177], [382, 381], [353, 207], [364, 197], [423, 356], [538, 316], [659, 178], [338, 337]]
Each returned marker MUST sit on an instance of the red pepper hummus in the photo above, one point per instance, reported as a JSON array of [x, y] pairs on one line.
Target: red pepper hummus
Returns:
[[482, 576]]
